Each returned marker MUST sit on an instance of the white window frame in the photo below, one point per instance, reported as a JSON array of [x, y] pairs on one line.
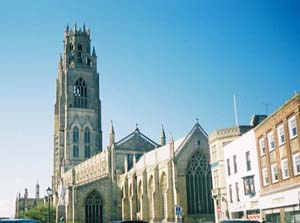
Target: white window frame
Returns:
[[296, 162], [280, 133], [262, 146], [284, 167], [265, 176], [214, 153], [292, 124], [271, 141], [216, 178], [274, 171]]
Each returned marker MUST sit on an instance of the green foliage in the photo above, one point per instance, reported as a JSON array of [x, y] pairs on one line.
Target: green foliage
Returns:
[[40, 213]]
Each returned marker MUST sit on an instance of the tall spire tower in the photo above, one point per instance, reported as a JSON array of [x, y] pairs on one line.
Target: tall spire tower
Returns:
[[78, 130]]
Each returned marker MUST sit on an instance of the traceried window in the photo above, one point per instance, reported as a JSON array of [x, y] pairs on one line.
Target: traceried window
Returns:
[[87, 139], [75, 135], [80, 94], [292, 127], [93, 208], [198, 184]]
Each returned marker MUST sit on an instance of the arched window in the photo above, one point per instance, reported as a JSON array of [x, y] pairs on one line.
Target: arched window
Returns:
[[79, 47], [75, 135], [150, 197], [71, 46], [198, 184], [75, 151], [93, 208], [87, 139], [80, 94], [87, 151], [87, 136], [163, 190], [75, 142]]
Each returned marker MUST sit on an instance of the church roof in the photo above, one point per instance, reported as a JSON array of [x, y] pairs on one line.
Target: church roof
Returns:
[[136, 133], [163, 153]]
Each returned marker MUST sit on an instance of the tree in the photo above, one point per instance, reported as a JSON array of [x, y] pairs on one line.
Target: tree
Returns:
[[40, 213]]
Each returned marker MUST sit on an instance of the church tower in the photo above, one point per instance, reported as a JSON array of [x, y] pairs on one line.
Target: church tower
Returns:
[[77, 120]]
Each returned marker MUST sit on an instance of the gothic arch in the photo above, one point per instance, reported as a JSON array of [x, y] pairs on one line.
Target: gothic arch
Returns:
[[198, 185], [139, 196], [80, 93], [93, 204], [150, 196], [163, 193]]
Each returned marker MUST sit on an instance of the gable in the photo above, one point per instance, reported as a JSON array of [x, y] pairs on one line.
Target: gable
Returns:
[[136, 141]]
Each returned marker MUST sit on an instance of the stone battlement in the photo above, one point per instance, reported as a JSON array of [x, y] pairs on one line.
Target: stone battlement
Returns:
[[94, 168]]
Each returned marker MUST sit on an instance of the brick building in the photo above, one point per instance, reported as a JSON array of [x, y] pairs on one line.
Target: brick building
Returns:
[[278, 149]]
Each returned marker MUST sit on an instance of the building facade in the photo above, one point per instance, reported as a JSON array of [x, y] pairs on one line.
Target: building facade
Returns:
[[25, 203], [278, 148], [217, 140], [242, 178], [93, 185], [174, 175]]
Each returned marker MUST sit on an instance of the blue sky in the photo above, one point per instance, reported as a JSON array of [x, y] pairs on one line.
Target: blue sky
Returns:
[[160, 62]]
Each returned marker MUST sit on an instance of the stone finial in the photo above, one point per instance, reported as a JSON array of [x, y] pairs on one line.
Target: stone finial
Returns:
[[134, 160], [125, 164], [162, 136], [75, 27], [37, 190], [67, 28], [111, 133], [171, 144], [94, 52], [26, 193]]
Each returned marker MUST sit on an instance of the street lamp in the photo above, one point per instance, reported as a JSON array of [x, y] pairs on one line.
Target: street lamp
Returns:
[[49, 193]]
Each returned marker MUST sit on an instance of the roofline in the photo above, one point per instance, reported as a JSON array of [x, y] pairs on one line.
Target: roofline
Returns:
[[287, 102]]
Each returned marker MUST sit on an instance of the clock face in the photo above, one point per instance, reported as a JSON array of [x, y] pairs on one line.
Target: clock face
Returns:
[[76, 91]]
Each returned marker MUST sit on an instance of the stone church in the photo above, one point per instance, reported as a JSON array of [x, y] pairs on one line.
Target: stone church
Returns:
[[132, 178]]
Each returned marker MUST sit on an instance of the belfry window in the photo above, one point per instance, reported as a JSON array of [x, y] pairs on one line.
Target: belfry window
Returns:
[[93, 208], [198, 185], [80, 94], [79, 47]]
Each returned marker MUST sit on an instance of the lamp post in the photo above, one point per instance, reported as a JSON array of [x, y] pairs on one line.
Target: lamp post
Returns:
[[49, 193]]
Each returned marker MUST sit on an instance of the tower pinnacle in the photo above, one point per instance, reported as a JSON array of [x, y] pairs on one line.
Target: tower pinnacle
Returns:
[[162, 136]]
